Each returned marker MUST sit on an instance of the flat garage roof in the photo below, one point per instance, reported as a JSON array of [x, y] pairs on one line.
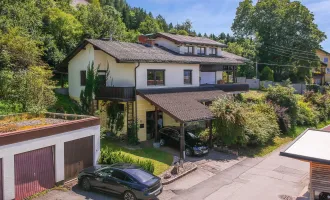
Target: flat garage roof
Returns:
[[312, 145]]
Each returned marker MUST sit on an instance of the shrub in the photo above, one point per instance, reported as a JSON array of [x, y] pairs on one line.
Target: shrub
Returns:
[[132, 130], [267, 74], [261, 123], [307, 114], [253, 97], [285, 98], [229, 121], [321, 102], [109, 156]]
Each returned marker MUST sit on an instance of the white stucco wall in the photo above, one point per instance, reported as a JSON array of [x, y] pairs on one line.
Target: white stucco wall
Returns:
[[218, 75], [7, 153], [122, 74], [77, 64], [173, 74], [167, 44]]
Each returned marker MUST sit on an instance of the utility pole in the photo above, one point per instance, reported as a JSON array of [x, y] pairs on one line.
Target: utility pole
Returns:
[[256, 69]]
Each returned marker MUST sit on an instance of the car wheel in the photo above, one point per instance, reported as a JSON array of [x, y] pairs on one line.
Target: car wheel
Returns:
[[323, 196], [128, 195], [188, 152], [162, 142], [85, 184]]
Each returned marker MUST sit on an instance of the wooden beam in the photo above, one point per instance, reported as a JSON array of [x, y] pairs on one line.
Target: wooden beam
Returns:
[[157, 138], [210, 134], [182, 143]]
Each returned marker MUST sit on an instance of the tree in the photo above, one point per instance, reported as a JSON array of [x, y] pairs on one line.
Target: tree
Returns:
[[36, 97], [267, 74], [162, 23], [285, 31], [18, 50], [182, 32], [87, 94], [149, 25], [64, 27]]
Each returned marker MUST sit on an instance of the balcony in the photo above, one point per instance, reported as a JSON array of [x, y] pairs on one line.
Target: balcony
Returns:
[[116, 93]]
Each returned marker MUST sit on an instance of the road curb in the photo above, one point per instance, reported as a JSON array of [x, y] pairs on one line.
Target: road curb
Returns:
[[180, 176]]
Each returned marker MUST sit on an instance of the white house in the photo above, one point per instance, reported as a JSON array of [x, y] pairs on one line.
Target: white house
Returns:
[[143, 73]]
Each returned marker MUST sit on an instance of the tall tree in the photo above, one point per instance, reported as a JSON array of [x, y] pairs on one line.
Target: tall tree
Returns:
[[286, 33], [150, 25]]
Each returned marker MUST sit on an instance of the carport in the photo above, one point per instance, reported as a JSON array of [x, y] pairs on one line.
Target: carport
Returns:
[[313, 146], [183, 105]]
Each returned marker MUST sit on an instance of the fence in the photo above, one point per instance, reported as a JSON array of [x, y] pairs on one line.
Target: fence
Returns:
[[300, 88]]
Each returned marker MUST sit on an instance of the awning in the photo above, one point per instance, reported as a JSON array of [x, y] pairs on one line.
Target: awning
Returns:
[[185, 104], [312, 145]]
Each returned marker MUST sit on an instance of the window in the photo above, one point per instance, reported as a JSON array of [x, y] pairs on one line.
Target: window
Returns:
[[201, 50], [188, 50], [102, 75], [326, 59], [156, 77], [328, 70], [140, 175], [213, 51], [119, 175], [187, 76], [83, 78]]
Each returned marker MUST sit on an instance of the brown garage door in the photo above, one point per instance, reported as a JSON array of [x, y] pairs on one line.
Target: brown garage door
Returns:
[[34, 172], [1, 181], [78, 154]]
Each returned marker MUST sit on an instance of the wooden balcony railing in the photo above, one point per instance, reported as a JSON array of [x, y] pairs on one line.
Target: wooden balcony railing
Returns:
[[116, 93]]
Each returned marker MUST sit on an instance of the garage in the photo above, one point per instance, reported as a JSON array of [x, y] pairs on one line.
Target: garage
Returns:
[[34, 172], [78, 154], [1, 181], [207, 77]]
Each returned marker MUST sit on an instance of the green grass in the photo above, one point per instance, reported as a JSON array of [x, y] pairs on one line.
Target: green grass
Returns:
[[161, 160], [278, 141], [65, 104]]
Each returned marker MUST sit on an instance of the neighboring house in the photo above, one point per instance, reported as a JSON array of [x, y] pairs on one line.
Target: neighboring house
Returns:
[[36, 159], [166, 75], [322, 75]]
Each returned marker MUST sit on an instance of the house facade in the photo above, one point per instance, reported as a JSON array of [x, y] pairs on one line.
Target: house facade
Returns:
[[322, 76], [144, 74]]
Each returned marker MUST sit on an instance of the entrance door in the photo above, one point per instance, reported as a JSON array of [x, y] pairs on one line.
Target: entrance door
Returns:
[[78, 155], [207, 77], [151, 123], [34, 172]]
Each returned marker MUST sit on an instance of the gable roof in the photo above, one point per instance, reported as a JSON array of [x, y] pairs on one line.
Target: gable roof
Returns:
[[183, 39], [125, 52]]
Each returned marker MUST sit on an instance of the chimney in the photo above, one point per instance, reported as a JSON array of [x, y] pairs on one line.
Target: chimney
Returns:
[[146, 41], [143, 39]]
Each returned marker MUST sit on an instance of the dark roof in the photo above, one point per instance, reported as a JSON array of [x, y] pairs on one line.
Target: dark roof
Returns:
[[126, 52], [324, 51], [133, 52], [183, 39], [184, 104]]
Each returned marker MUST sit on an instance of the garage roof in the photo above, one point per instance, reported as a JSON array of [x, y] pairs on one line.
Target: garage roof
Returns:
[[183, 104], [312, 145]]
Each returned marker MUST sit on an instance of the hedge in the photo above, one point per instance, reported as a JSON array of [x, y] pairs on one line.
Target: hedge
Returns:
[[109, 156]]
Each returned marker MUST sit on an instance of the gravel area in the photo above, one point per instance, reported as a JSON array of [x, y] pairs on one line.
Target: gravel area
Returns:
[[34, 122]]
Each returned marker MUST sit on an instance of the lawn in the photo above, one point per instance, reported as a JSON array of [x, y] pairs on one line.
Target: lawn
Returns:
[[65, 104], [161, 160], [277, 142]]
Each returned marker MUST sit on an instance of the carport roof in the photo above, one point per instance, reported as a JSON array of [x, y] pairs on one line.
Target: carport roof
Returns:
[[185, 104], [312, 145]]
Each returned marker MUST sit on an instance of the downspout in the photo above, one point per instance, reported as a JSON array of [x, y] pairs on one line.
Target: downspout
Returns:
[[138, 65]]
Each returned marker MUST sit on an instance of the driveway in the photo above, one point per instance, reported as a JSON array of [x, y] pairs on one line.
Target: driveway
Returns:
[[268, 178]]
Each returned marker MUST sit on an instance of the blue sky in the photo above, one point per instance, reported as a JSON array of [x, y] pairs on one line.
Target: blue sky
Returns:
[[216, 16]]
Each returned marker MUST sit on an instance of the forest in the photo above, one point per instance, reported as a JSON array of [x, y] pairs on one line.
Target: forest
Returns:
[[43, 32]]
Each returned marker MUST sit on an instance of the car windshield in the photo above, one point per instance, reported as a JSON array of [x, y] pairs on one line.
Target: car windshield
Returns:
[[139, 175], [190, 134]]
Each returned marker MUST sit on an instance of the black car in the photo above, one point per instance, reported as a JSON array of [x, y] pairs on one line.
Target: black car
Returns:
[[193, 145], [127, 180]]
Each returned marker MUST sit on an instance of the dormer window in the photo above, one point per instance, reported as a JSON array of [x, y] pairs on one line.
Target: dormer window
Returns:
[[213, 51], [201, 50], [188, 50]]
